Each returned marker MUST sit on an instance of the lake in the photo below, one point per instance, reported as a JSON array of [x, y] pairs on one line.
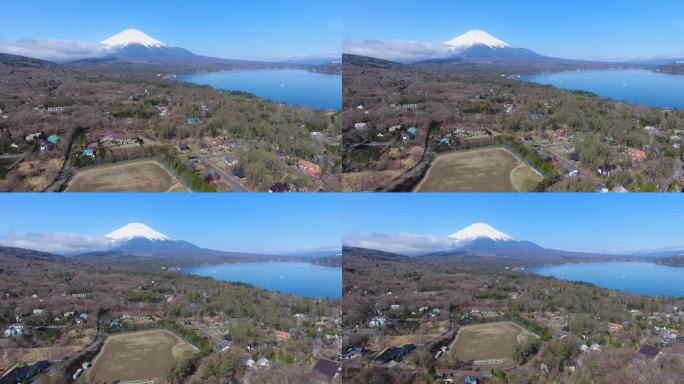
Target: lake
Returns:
[[639, 277], [289, 86], [633, 86], [299, 278]]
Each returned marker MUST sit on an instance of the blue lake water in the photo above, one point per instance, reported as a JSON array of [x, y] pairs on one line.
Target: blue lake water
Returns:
[[633, 86], [299, 278], [290, 86], [639, 277]]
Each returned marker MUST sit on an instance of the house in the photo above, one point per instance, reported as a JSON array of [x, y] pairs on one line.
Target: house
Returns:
[[115, 323], [24, 374], [571, 171], [53, 139], [38, 312], [649, 351], [230, 159], [282, 336], [224, 346], [394, 128], [327, 368], [191, 120], [234, 143], [89, 152], [412, 131], [263, 362], [445, 141], [16, 330], [508, 108], [583, 347], [184, 148], [360, 126], [636, 154], [606, 169], [212, 176], [239, 172], [377, 322], [33, 136], [614, 327], [280, 154], [394, 353], [595, 347], [315, 134], [352, 353], [395, 307], [619, 189], [534, 116], [248, 361], [279, 188], [308, 168]]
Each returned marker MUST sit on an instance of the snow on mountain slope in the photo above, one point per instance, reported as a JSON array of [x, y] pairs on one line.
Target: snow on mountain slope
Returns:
[[130, 37], [476, 37], [480, 231], [136, 230]]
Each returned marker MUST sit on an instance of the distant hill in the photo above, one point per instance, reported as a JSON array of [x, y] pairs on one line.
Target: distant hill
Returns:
[[367, 61], [371, 254], [673, 261], [7, 253], [22, 61]]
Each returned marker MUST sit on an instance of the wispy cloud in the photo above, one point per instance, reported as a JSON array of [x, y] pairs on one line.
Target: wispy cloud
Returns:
[[402, 243], [65, 244], [52, 49], [397, 50]]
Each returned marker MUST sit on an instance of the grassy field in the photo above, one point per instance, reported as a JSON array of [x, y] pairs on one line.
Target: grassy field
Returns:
[[136, 176], [137, 356], [488, 345], [524, 178], [481, 170]]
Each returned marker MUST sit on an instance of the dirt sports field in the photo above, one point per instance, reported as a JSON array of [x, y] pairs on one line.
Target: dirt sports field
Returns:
[[143, 355], [488, 345], [136, 176], [480, 170]]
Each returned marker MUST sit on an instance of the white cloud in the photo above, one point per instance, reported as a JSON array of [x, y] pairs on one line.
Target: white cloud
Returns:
[[52, 49], [402, 243], [65, 244], [397, 50]]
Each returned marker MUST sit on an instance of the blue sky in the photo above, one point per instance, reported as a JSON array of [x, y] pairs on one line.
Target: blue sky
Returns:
[[244, 29], [574, 221], [582, 29], [242, 222]]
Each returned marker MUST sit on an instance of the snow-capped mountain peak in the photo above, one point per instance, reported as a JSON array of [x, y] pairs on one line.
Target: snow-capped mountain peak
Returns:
[[480, 231], [130, 37], [476, 37], [136, 230]]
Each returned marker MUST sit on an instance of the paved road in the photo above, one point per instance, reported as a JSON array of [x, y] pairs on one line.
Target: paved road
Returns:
[[235, 185]]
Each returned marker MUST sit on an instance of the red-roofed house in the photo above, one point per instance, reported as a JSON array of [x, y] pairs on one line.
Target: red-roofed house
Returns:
[[636, 154], [309, 168], [282, 336], [614, 327]]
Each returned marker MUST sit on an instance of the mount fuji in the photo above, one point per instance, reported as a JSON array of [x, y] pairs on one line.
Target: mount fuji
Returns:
[[136, 47], [138, 237], [138, 240], [480, 46], [484, 239]]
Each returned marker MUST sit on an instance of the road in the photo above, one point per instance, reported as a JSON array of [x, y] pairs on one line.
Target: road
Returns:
[[235, 185]]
